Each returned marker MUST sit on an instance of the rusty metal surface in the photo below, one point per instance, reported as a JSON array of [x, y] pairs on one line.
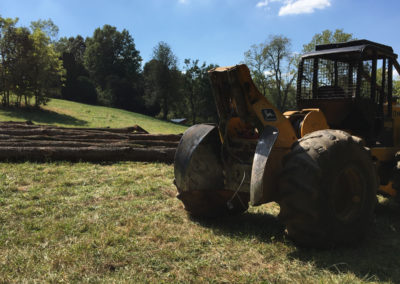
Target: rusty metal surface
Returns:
[[258, 173]]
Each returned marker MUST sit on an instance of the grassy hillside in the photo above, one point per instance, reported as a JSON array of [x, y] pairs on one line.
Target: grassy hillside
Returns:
[[71, 114], [121, 223]]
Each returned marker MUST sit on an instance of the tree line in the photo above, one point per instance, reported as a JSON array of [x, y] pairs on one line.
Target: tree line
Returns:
[[106, 69], [103, 69], [30, 67]]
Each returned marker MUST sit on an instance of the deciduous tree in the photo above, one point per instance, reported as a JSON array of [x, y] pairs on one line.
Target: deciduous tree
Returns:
[[78, 86], [47, 70], [327, 36], [282, 64], [7, 44], [111, 57], [162, 79], [255, 58], [197, 92], [30, 67], [274, 68]]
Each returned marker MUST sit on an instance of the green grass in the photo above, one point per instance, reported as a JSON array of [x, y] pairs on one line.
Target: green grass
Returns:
[[71, 114], [85, 222], [64, 222]]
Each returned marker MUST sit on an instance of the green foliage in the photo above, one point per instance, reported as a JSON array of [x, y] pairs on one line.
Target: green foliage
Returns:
[[197, 102], [30, 66], [114, 66], [46, 26], [283, 65], [274, 69], [396, 88], [110, 52], [104, 69], [19, 68], [150, 89], [255, 58], [48, 72], [76, 46], [327, 36], [78, 86], [8, 42], [162, 77]]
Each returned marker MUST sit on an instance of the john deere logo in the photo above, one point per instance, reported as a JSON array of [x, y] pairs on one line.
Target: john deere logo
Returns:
[[269, 114]]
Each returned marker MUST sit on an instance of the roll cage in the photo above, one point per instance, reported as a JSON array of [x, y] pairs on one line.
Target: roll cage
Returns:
[[351, 83]]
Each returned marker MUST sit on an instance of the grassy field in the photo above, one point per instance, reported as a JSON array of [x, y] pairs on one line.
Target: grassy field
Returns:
[[71, 114], [120, 222], [63, 222]]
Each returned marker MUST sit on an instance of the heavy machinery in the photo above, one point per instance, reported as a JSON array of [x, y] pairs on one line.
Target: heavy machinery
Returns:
[[323, 163]]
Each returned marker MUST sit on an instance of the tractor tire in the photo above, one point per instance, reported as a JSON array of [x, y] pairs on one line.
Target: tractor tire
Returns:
[[327, 190], [214, 203]]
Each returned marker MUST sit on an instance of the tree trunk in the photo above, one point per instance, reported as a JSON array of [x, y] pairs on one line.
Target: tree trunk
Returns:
[[165, 107], [192, 106], [7, 98], [26, 141]]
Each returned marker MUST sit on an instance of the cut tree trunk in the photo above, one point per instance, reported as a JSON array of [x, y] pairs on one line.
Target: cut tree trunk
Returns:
[[27, 141]]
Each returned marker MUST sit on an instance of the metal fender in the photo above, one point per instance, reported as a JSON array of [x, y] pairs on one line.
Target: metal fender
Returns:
[[263, 150], [197, 164]]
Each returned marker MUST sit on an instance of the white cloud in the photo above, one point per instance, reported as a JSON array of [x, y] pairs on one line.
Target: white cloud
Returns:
[[183, 1], [262, 3], [265, 3], [294, 7]]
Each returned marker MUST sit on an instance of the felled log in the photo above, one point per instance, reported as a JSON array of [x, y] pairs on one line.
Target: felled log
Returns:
[[27, 141], [30, 125], [77, 134], [85, 143]]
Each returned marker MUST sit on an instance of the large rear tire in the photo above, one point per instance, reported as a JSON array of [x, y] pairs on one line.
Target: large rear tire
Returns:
[[327, 189]]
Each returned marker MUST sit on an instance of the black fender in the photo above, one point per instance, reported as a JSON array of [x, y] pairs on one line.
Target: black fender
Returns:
[[263, 150], [197, 164]]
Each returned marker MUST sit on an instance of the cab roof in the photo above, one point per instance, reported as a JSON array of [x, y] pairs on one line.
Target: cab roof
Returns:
[[352, 50]]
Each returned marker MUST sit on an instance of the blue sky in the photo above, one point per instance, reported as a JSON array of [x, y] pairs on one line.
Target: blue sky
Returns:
[[215, 31]]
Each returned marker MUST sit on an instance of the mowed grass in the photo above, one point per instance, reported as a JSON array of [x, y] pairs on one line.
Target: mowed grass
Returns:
[[83, 222], [120, 222], [72, 114]]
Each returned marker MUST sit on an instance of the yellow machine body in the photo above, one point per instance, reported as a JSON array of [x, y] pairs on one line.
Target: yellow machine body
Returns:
[[292, 125], [246, 124], [325, 184]]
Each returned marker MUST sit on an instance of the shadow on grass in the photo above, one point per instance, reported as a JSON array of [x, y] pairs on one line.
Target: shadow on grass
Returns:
[[263, 226], [42, 116], [376, 259]]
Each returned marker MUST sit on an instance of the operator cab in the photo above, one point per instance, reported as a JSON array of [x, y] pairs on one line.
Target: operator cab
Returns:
[[352, 84]]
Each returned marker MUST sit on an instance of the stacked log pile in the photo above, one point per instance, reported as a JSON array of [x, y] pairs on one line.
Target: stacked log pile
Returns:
[[27, 141]]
